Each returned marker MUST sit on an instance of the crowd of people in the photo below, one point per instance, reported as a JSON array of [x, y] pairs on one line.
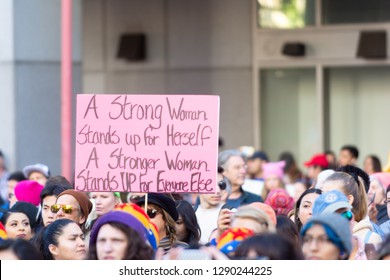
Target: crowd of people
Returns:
[[261, 210]]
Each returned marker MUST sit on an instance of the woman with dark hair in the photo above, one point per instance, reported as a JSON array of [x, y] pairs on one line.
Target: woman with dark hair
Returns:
[[285, 226], [303, 206], [18, 249], [292, 173], [187, 227], [62, 240], [268, 246], [119, 235], [372, 165]]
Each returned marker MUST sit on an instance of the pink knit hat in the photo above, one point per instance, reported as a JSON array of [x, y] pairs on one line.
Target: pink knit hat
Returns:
[[28, 191], [274, 168], [384, 178]]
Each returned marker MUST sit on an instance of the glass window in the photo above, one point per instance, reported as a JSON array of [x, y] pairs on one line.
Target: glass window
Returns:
[[289, 118], [355, 11], [359, 109], [286, 13]]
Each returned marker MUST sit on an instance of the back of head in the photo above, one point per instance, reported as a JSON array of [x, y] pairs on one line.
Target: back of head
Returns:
[[280, 201], [16, 176], [22, 249], [58, 181], [255, 214], [269, 246], [356, 171]]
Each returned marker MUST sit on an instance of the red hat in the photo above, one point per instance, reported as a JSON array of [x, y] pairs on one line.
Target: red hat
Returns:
[[280, 201], [318, 159]]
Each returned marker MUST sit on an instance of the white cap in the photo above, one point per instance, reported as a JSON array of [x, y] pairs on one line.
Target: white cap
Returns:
[[38, 167]]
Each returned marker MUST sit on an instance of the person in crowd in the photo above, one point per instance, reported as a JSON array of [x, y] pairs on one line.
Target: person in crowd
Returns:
[[228, 242], [383, 252], [280, 201], [255, 165], [256, 216], [3, 232], [3, 180], [386, 225], [268, 246], [20, 220], [73, 205], [118, 235], [315, 166], [62, 240], [251, 217], [322, 176], [376, 196], [335, 201], [54, 186], [18, 249], [326, 237], [331, 158], [187, 227], [348, 155], [273, 177], [151, 230], [104, 202], [234, 167], [37, 172], [299, 188], [12, 180], [285, 226], [27, 191], [292, 173], [352, 186], [304, 205], [209, 207], [372, 164], [162, 211]]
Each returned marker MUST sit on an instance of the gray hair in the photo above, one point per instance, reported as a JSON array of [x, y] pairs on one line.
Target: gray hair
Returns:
[[224, 156]]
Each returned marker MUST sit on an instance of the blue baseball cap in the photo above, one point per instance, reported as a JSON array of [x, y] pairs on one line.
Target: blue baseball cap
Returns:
[[330, 202]]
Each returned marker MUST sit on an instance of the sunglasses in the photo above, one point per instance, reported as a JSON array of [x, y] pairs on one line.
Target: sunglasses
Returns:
[[347, 214], [67, 209], [152, 213], [222, 185]]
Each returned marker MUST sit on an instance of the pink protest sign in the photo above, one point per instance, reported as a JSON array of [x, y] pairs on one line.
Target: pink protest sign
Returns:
[[147, 143]]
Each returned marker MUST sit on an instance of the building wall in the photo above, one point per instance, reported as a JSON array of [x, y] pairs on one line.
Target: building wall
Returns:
[[30, 69], [193, 47]]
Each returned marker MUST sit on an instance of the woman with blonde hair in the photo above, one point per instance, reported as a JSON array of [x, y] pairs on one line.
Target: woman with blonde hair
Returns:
[[353, 187]]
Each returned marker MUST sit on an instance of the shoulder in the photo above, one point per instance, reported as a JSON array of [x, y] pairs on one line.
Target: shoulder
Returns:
[[250, 197]]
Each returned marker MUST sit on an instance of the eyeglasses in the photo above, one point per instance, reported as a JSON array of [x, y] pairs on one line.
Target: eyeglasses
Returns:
[[347, 214], [320, 240], [67, 209], [152, 213], [222, 184]]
